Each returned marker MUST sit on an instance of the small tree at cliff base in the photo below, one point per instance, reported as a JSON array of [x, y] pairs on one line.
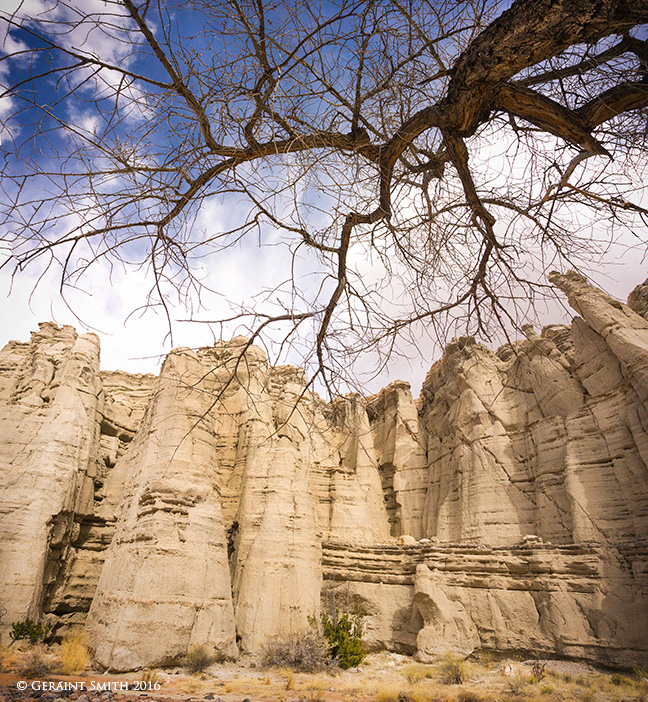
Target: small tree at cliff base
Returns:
[[343, 631], [30, 630]]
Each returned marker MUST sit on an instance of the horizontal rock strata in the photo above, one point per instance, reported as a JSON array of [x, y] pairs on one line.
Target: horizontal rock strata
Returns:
[[223, 503], [534, 599]]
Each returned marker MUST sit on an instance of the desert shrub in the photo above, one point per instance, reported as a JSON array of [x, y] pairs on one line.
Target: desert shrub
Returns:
[[416, 672], [9, 660], [198, 658], [34, 665], [453, 669], [471, 696], [306, 651], [73, 654], [538, 671], [389, 693], [30, 630], [619, 679], [343, 631], [394, 693], [517, 682], [150, 677]]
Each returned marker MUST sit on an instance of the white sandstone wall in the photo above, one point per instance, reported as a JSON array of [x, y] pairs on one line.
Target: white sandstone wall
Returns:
[[49, 440], [223, 501]]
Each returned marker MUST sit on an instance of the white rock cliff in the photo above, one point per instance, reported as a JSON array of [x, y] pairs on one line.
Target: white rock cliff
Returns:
[[224, 503]]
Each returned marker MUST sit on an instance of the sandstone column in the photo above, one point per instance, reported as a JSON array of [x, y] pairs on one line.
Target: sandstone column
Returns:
[[277, 572], [49, 433], [165, 582]]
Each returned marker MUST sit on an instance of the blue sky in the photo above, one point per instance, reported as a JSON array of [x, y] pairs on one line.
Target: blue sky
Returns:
[[110, 299]]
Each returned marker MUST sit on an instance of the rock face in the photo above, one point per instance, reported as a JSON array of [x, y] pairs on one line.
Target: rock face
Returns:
[[223, 503], [166, 567], [49, 433]]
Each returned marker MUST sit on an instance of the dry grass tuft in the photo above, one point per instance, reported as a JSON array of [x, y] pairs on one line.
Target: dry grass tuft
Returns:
[[10, 660], [34, 664], [620, 680], [391, 693], [315, 689], [453, 669], [415, 672], [472, 696], [420, 694], [191, 687], [150, 677], [359, 688], [290, 681], [198, 658], [517, 682], [74, 655], [396, 693]]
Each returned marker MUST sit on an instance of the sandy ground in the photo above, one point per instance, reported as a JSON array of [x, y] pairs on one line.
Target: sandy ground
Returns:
[[383, 677]]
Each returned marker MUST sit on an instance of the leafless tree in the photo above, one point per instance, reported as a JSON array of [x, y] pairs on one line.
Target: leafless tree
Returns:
[[461, 147]]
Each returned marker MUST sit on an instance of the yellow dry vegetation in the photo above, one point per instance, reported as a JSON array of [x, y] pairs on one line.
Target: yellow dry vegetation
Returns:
[[10, 659], [74, 654]]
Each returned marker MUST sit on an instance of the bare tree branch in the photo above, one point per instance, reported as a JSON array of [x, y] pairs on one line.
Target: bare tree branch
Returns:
[[411, 159]]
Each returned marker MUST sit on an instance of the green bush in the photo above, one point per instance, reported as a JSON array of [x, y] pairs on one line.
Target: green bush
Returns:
[[343, 631], [29, 630], [334, 640]]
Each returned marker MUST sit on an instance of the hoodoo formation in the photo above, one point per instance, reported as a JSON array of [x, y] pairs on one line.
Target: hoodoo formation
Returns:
[[219, 503]]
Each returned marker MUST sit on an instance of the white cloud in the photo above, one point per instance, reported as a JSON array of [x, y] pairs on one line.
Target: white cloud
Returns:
[[134, 341]]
